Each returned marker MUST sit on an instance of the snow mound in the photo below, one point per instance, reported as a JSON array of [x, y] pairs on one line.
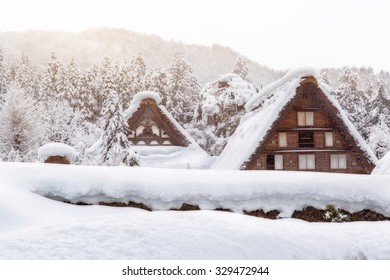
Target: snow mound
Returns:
[[57, 149], [383, 166]]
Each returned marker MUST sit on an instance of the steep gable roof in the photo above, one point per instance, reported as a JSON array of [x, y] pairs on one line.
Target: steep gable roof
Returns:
[[182, 151], [146, 105], [266, 108]]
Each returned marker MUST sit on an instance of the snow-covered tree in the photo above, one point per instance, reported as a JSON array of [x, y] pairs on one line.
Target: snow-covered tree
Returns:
[[131, 79], [62, 123], [222, 107], [115, 148], [379, 139], [183, 89], [3, 76], [241, 69], [54, 80], [351, 99], [324, 78], [20, 126], [109, 82], [156, 80]]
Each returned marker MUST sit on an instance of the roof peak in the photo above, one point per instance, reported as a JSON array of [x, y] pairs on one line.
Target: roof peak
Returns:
[[294, 73], [140, 96]]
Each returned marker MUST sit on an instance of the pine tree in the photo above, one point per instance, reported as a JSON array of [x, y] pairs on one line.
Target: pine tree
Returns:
[[26, 76], [241, 69], [379, 139], [20, 126], [131, 79], [115, 148], [91, 90], [183, 89], [3, 76], [54, 84], [325, 78], [156, 80], [109, 82], [351, 99]]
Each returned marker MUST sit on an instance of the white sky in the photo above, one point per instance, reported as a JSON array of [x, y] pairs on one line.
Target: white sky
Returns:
[[277, 33]]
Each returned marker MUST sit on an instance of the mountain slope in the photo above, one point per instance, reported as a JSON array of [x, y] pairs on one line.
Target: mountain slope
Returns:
[[93, 45]]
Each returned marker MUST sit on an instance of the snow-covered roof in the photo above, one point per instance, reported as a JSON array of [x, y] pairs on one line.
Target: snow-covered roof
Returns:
[[262, 112], [146, 94], [57, 149]]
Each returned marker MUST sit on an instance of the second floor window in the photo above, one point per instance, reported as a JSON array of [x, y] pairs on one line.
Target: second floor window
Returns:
[[306, 139], [282, 139]]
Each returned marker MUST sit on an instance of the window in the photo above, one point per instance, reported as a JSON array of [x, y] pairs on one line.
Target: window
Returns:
[[274, 162], [306, 139], [307, 162], [328, 139], [338, 161], [305, 118], [282, 139], [279, 162], [270, 162]]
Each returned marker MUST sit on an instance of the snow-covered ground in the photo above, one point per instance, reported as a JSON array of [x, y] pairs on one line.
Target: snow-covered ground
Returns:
[[34, 227]]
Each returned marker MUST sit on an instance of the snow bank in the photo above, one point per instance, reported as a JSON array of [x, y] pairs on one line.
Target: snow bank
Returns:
[[34, 227], [136, 234], [57, 149], [383, 166], [163, 189], [190, 157]]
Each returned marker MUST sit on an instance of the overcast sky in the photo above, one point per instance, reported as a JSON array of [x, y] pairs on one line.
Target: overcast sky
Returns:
[[277, 33]]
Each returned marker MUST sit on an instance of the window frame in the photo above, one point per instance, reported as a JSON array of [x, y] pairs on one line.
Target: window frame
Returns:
[[341, 159], [303, 158], [332, 137], [303, 118], [284, 140]]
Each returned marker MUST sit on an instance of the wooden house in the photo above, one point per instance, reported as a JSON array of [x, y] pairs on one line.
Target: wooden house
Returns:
[[296, 124], [158, 138], [151, 125]]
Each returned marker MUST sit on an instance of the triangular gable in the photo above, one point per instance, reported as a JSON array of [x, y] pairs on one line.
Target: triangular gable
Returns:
[[150, 124], [268, 108]]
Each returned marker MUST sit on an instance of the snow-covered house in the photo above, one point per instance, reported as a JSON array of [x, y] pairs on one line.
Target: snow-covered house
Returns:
[[296, 124], [158, 138]]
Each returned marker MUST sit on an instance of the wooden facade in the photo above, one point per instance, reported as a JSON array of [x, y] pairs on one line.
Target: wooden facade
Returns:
[[150, 126], [309, 135]]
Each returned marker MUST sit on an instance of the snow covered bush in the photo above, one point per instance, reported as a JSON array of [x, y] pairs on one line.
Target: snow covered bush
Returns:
[[20, 126]]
